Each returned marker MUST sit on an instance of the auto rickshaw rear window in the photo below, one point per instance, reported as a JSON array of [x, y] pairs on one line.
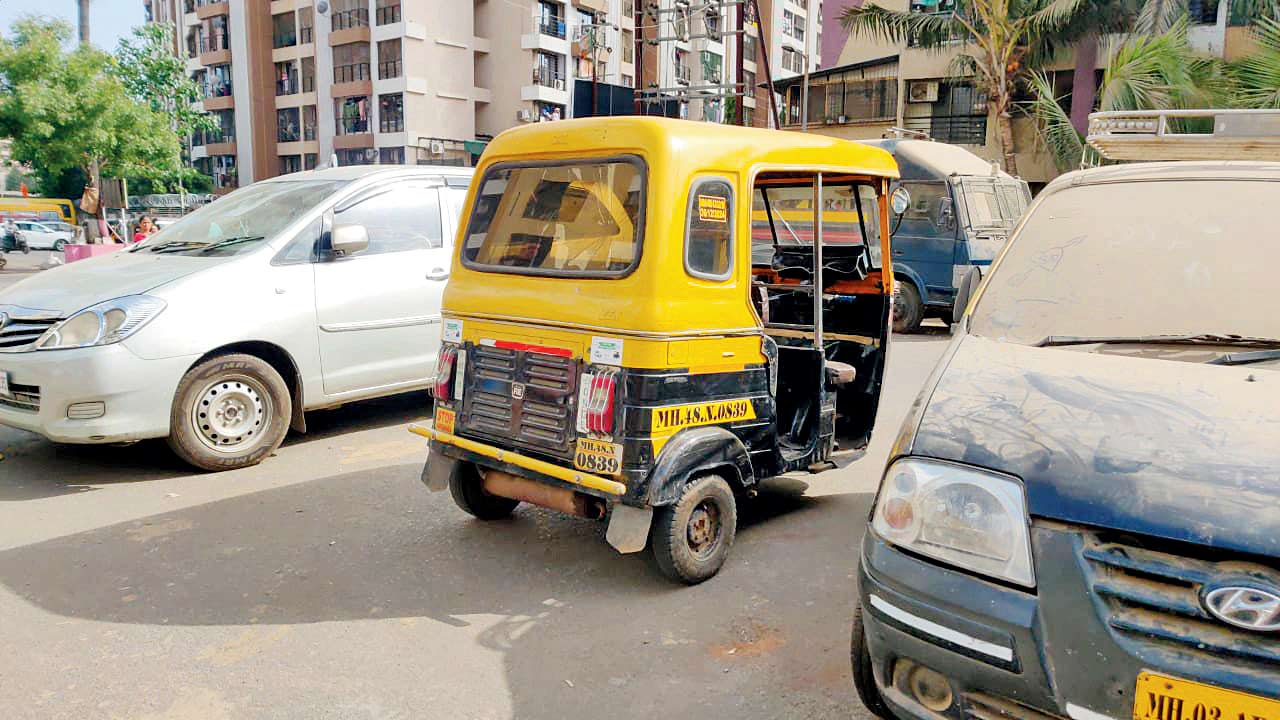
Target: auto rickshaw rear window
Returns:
[[580, 218], [709, 237]]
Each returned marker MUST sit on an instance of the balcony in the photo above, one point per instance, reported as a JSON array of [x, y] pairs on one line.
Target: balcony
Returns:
[[288, 133], [306, 35], [354, 72], [954, 129], [552, 26], [684, 74], [387, 14], [548, 79], [286, 86], [283, 40], [354, 18], [391, 124], [390, 69]]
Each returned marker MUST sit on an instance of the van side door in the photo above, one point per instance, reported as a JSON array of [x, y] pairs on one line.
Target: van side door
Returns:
[[378, 311]]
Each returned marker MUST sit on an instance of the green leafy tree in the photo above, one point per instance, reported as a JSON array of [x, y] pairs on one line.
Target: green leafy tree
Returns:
[[153, 74], [69, 109], [995, 35], [1257, 76]]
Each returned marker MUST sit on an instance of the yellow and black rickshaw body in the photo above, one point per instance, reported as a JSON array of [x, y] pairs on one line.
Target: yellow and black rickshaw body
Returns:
[[610, 338]]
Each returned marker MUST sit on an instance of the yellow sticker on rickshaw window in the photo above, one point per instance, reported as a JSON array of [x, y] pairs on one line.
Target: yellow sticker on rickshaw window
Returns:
[[713, 209]]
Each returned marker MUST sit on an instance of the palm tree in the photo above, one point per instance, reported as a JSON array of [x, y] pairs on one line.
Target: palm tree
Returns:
[[1257, 77], [996, 35], [1147, 71]]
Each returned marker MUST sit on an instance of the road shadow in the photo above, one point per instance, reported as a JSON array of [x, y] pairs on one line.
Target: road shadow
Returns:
[[34, 468], [374, 545]]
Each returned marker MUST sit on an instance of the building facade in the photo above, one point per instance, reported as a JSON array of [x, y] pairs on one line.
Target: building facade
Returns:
[[297, 84]]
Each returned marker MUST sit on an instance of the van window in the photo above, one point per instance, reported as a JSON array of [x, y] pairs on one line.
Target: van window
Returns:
[[926, 200], [580, 218], [708, 244]]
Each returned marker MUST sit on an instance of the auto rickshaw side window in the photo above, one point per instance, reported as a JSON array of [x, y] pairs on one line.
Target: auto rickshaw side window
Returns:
[[708, 244]]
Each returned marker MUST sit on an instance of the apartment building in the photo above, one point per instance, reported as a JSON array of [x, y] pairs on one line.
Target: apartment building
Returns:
[[297, 84], [877, 86]]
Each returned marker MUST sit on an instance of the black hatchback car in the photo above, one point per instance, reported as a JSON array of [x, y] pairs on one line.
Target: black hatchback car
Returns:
[[1081, 516]]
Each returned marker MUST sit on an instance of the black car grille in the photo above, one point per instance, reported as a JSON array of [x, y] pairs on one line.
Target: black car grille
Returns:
[[539, 415], [22, 397], [1152, 597], [18, 333]]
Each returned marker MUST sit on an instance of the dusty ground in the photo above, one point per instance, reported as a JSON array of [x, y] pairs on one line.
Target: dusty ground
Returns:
[[328, 583]]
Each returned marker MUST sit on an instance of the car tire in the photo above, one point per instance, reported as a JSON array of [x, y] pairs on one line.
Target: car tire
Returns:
[[59, 245], [230, 412], [864, 678], [908, 309], [468, 493], [692, 537]]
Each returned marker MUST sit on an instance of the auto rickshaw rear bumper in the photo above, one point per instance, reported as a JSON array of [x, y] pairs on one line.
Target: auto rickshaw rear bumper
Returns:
[[628, 529]]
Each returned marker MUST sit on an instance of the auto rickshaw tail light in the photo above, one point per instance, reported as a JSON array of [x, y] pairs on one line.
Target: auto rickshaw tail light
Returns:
[[445, 364], [602, 386]]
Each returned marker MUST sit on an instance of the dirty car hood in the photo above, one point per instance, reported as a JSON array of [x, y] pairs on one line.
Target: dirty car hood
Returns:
[[1177, 450]]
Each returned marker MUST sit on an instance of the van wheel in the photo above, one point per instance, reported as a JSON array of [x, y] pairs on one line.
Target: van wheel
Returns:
[[864, 679], [230, 412], [691, 538], [469, 494], [908, 310]]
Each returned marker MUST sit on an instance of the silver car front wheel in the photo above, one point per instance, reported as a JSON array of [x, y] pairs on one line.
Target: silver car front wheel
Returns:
[[230, 411]]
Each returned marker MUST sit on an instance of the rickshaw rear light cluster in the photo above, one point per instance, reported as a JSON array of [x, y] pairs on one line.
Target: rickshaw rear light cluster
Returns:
[[446, 362], [600, 388]]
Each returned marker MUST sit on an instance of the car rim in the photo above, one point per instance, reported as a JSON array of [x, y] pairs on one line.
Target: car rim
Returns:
[[704, 529], [230, 414]]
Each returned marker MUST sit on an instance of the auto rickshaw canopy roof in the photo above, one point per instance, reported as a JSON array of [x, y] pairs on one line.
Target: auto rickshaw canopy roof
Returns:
[[651, 291]]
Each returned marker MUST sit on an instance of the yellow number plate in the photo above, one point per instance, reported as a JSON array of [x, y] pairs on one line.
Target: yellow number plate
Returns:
[[1164, 698], [444, 420], [598, 457]]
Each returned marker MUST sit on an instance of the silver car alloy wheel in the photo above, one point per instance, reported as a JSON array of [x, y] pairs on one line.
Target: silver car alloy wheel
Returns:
[[230, 413]]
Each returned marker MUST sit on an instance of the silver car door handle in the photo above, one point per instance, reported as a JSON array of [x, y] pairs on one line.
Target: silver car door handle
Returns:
[[438, 274]]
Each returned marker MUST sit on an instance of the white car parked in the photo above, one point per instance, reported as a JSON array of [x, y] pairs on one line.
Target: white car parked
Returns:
[[43, 236], [297, 293]]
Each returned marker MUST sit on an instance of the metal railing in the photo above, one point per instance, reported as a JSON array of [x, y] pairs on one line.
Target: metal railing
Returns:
[[353, 126], [217, 88], [281, 40], [955, 129], [387, 14], [351, 73], [389, 69], [547, 78], [357, 17], [288, 133], [553, 27], [308, 83], [309, 131], [286, 86], [391, 123], [306, 35], [213, 43]]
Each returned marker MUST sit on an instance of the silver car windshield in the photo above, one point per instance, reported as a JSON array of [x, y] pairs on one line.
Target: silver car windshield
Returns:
[[1137, 259], [240, 221]]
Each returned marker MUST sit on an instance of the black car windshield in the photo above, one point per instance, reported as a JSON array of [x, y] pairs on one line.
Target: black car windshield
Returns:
[[1136, 259], [240, 221]]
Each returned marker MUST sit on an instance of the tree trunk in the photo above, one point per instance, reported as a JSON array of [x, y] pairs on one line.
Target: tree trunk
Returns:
[[84, 22], [1004, 131], [1084, 85]]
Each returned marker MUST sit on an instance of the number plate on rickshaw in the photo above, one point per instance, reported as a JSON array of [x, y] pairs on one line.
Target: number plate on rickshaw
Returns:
[[598, 456], [444, 420], [1165, 698]]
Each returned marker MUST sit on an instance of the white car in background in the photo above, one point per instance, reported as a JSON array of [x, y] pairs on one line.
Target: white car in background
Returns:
[[44, 236], [293, 294]]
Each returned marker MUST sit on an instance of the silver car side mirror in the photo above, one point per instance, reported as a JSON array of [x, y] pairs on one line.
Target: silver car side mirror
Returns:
[[347, 240]]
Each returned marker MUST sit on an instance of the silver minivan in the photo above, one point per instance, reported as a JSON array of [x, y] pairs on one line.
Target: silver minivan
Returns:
[[297, 293]]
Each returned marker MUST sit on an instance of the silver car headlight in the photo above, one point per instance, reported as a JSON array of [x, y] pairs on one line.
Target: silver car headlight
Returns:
[[102, 324], [973, 519]]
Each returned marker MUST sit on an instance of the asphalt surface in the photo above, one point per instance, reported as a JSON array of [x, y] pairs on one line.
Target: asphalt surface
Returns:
[[328, 583], [18, 266]]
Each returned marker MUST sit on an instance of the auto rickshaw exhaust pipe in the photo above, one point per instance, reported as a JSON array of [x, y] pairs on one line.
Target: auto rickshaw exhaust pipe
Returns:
[[564, 500]]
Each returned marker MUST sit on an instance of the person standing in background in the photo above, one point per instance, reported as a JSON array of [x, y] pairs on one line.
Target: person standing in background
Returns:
[[145, 229]]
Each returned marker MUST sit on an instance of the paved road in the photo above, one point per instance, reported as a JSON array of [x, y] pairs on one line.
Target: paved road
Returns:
[[328, 583], [19, 266]]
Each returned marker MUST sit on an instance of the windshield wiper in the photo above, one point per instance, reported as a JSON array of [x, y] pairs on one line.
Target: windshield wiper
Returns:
[[1244, 358], [225, 242], [172, 246], [1202, 339]]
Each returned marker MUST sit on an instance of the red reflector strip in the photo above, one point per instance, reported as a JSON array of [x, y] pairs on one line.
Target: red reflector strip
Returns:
[[526, 347]]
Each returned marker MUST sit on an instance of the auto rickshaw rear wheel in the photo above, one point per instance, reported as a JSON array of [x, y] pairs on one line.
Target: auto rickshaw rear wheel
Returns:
[[468, 493], [864, 679], [692, 537]]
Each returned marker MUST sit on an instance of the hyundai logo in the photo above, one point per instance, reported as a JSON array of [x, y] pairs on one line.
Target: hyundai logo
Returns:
[[1249, 607]]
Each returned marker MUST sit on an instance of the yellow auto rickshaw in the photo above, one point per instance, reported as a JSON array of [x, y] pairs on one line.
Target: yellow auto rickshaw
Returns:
[[647, 317]]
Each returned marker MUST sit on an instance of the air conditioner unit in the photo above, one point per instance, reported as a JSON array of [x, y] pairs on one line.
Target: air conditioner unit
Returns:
[[524, 115], [560, 84], [436, 147], [923, 91]]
